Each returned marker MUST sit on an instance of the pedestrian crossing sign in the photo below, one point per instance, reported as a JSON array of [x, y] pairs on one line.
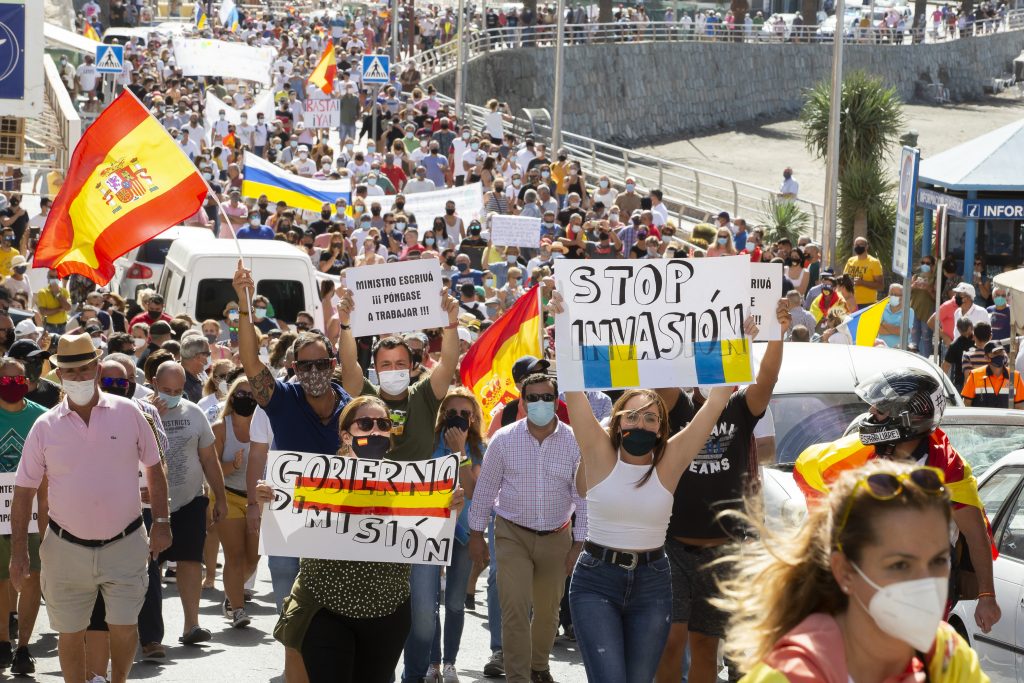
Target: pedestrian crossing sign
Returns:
[[376, 69], [109, 59]]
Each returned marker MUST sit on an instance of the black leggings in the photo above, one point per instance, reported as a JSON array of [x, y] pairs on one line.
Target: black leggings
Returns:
[[340, 649]]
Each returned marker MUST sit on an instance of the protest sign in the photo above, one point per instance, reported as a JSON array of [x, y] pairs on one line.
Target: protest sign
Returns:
[[765, 292], [321, 113], [515, 231], [396, 297], [653, 323], [262, 104], [337, 508], [6, 499], [206, 57], [427, 206]]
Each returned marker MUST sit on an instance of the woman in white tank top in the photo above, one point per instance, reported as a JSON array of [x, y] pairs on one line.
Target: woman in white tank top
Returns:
[[621, 593]]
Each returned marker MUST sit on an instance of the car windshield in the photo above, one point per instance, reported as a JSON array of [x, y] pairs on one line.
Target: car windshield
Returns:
[[982, 444], [805, 419]]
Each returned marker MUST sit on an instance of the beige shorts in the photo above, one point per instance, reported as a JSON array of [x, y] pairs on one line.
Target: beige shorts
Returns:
[[72, 574]]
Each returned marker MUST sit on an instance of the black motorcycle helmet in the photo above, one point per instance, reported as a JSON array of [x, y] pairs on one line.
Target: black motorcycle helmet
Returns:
[[909, 403]]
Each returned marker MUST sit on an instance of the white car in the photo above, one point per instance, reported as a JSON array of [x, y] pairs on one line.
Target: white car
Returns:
[[141, 267], [1000, 651], [814, 402]]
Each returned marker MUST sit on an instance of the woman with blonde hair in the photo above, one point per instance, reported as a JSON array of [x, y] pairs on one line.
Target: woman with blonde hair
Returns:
[[723, 245], [215, 388], [858, 593], [241, 548]]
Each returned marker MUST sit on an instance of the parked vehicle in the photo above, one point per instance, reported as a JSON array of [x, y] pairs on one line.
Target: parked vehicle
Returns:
[[142, 266]]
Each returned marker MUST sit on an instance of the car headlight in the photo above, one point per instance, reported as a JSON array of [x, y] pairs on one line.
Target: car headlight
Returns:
[[793, 512]]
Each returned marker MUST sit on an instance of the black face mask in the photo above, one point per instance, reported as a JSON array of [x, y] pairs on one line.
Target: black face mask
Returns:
[[959, 300], [325, 214], [372, 447], [399, 205], [33, 371], [417, 357], [450, 212], [450, 261], [859, 249], [456, 422], [475, 230], [639, 441], [244, 406], [126, 392]]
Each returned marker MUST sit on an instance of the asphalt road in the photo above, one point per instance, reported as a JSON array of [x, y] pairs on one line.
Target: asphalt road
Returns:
[[251, 654]]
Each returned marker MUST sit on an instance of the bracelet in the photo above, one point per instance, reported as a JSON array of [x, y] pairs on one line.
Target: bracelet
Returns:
[[344, 327], [243, 313], [986, 595], [452, 326], [162, 520]]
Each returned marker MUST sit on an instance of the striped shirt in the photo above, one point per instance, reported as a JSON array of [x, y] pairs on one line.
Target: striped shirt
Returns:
[[530, 483]]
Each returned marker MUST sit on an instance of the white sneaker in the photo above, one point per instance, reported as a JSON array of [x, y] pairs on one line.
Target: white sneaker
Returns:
[[239, 619], [433, 674], [448, 675], [97, 679]]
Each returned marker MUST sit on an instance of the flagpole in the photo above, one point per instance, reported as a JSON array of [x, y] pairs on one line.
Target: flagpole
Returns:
[[234, 234]]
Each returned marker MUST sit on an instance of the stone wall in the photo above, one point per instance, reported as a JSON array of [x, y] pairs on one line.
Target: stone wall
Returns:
[[634, 93]]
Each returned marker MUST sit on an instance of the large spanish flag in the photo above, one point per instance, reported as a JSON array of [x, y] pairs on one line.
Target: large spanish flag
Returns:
[[326, 71], [128, 181], [487, 366]]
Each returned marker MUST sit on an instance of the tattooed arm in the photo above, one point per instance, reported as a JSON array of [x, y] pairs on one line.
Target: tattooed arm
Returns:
[[260, 378]]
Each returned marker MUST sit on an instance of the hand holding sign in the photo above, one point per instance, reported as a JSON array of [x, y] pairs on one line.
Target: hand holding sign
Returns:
[[345, 306]]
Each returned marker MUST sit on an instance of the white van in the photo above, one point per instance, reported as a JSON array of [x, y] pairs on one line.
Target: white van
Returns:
[[196, 278], [142, 266]]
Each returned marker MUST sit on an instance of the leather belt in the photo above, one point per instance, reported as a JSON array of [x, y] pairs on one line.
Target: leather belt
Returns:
[[91, 543], [539, 533], [623, 558]]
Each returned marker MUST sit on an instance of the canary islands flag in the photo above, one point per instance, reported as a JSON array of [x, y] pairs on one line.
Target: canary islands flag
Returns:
[[863, 324], [487, 366], [298, 192], [127, 182], [201, 20], [90, 33]]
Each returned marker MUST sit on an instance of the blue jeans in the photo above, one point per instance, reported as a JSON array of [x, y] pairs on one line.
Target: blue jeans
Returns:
[[493, 604], [921, 337], [283, 571], [622, 618], [423, 645]]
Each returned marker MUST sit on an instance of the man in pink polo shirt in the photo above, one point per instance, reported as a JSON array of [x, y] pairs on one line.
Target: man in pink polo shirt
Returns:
[[88, 448]]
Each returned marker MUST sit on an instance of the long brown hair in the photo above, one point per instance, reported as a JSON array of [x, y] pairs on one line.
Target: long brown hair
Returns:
[[778, 580], [350, 413], [474, 440], [619, 409]]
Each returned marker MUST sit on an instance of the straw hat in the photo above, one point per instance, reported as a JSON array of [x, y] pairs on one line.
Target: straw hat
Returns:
[[75, 350]]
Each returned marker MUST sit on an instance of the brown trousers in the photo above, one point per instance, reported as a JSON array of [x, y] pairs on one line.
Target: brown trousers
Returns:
[[531, 576]]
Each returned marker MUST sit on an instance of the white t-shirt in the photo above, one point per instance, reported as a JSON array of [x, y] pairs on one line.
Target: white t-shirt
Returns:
[[88, 76], [305, 167], [493, 124], [187, 431], [260, 430]]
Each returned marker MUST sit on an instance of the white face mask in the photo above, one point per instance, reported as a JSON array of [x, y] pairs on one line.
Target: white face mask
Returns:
[[908, 610], [139, 342], [79, 393], [393, 382], [222, 387]]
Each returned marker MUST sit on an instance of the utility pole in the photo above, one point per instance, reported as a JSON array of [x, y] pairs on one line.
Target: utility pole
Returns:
[[832, 158], [556, 117], [460, 60]]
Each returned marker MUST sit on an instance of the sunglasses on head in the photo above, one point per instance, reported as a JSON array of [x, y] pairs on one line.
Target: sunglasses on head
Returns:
[[307, 365], [886, 486], [365, 424], [467, 414], [533, 398], [8, 381], [109, 382]]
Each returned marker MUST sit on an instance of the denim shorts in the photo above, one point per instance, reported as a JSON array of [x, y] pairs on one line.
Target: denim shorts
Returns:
[[694, 583]]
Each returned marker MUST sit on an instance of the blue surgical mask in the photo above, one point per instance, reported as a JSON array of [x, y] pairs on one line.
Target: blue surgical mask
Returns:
[[925, 268], [723, 240], [171, 401], [1000, 301], [540, 413], [894, 301]]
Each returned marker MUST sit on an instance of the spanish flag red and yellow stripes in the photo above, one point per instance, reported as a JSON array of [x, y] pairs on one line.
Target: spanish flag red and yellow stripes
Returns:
[[821, 464], [89, 32], [395, 499], [326, 71], [487, 366], [127, 182]]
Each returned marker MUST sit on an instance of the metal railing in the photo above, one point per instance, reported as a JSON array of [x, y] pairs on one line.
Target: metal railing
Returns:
[[442, 58], [68, 122], [694, 195]]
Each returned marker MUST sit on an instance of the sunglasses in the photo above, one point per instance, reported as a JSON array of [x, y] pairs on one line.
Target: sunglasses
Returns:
[[467, 414], [885, 486], [110, 382], [321, 364], [8, 381], [365, 424], [533, 398], [243, 394], [220, 377]]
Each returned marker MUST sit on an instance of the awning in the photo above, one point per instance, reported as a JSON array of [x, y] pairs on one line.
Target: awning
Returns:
[[63, 39], [993, 162]]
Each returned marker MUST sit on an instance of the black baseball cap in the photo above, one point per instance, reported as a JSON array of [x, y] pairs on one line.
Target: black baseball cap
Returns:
[[26, 349], [528, 365]]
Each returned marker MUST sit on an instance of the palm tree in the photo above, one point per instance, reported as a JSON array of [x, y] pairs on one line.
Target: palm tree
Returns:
[[870, 119]]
